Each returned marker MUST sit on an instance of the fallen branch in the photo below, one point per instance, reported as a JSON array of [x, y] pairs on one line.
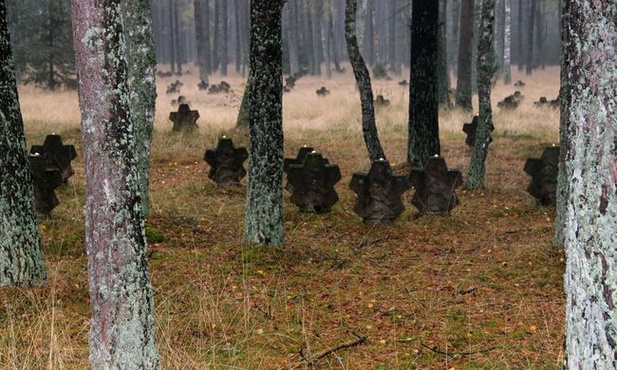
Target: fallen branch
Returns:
[[457, 354], [312, 360]]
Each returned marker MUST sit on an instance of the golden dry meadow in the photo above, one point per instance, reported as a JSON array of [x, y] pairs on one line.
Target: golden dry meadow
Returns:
[[480, 289]]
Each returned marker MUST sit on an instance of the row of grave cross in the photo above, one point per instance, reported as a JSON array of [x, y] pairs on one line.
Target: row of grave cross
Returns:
[[311, 179]]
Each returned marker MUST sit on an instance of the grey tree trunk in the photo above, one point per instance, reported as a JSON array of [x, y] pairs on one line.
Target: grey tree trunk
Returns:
[[443, 77], [507, 41], [21, 259], [590, 56], [476, 170], [423, 133], [363, 80], [392, 44], [122, 324], [172, 38], [264, 206], [202, 36], [369, 34], [463, 78], [292, 22], [521, 54], [224, 35], [137, 16], [529, 56]]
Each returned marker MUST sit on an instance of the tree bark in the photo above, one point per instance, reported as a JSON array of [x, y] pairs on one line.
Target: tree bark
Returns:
[[224, 36], [589, 55], [463, 78], [476, 170], [363, 80], [142, 86], [21, 259], [264, 208], [292, 22], [369, 34], [521, 53], [423, 138], [122, 325]]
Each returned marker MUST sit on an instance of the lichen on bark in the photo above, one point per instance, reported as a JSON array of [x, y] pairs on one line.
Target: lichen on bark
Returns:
[[122, 324], [21, 259], [590, 59], [264, 206]]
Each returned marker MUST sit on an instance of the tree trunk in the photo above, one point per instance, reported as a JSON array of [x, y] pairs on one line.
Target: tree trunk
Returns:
[[423, 138], [363, 80], [532, 15], [172, 38], [475, 173], [317, 54], [224, 36], [328, 41], [443, 77], [202, 38], [589, 56], [142, 86], [463, 78], [392, 44], [238, 28], [369, 34], [21, 259], [216, 31], [292, 22], [521, 54], [264, 206], [507, 30], [122, 325]]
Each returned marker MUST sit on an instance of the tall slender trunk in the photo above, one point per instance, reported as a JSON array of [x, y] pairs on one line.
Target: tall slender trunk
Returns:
[[464, 75], [202, 39], [521, 51], [292, 32], [363, 80], [530, 29], [476, 171], [224, 38], [443, 77], [369, 34], [507, 30]]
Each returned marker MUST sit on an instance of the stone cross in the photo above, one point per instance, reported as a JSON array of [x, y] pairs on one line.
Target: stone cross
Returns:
[[226, 162], [435, 187], [184, 118], [54, 151], [543, 172], [379, 193], [46, 177], [470, 130], [287, 162], [313, 183]]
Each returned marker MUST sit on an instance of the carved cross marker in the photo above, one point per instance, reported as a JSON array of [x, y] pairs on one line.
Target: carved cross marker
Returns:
[[287, 162], [379, 193], [226, 163], [470, 130], [543, 172], [435, 187], [46, 177], [184, 118], [56, 153], [313, 183]]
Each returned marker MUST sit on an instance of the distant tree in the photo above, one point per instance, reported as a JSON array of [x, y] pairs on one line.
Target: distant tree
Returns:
[[529, 64], [137, 17], [122, 325], [507, 38], [363, 80], [264, 207], [590, 56], [369, 34], [423, 133], [202, 36], [476, 170], [464, 77], [224, 53], [292, 32], [21, 260], [44, 50], [443, 76]]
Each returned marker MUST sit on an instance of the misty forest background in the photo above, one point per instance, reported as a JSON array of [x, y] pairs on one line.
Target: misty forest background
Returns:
[[313, 36]]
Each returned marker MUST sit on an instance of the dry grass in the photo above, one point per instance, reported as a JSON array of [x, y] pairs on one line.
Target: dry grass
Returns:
[[481, 289]]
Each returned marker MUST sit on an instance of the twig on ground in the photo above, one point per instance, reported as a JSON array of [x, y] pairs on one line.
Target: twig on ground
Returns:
[[312, 360], [457, 354]]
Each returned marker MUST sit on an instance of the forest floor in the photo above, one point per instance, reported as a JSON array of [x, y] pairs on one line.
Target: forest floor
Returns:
[[479, 289]]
